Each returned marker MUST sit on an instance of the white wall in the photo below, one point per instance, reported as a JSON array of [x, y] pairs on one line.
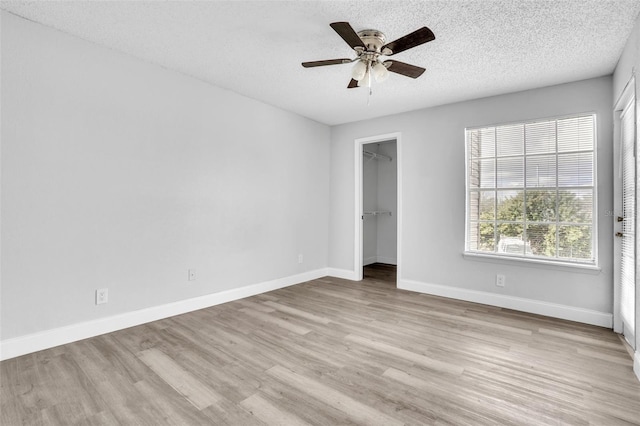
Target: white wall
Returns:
[[433, 198], [387, 226], [629, 64], [121, 174]]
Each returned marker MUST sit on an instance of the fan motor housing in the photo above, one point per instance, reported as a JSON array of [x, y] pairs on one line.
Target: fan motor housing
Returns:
[[373, 39]]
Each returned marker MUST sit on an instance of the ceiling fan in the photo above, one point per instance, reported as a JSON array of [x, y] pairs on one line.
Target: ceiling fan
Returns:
[[369, 46]]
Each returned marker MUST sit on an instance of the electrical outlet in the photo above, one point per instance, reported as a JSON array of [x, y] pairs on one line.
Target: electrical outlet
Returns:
[[300, 258], [102, 296], [500, 280], [192, 274]]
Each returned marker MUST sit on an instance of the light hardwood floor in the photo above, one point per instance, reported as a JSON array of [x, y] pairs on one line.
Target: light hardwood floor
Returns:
[[332, 352]]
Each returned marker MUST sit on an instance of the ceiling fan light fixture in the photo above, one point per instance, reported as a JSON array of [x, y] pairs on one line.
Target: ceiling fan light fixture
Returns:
[[359, 70], [366, 80], [368, 46], [380, 72]]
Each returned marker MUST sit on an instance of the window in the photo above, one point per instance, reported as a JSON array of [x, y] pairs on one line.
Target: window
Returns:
[[531, 190]]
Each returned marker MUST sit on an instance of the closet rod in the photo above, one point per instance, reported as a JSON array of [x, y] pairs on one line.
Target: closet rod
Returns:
[[376, 156]]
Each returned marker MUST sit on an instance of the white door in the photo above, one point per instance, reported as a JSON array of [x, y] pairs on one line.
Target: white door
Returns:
[[627, 284]]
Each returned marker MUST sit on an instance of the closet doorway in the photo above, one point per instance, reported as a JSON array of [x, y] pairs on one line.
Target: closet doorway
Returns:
[[378, 204]]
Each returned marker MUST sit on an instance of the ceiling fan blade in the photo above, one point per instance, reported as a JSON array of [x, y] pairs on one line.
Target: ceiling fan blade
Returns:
[[353, 83], [416, 38], [327, 62], [404, 69], [348, 34]]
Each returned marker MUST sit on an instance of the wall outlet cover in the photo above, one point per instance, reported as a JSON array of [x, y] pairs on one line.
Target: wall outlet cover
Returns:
[[102, 296]]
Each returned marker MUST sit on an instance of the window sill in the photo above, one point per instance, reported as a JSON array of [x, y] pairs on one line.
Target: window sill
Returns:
[[535, 263]]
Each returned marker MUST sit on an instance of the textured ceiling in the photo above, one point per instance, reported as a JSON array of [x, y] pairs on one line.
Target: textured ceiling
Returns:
[[482, 48]]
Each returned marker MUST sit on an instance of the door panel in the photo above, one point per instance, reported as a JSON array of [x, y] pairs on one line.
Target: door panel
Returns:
[[627, 257]]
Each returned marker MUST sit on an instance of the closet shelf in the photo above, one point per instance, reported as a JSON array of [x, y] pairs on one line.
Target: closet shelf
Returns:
[[377, 213], [376, 156]]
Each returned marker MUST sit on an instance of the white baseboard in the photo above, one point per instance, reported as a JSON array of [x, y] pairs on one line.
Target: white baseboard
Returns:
[[380, 259], [341, 273], [369, 260], [571, 313], [11, 348], [636, 364]]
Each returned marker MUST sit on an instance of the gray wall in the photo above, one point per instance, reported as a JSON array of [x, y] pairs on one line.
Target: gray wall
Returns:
[[433, 199], [118, 173], [629, 60], [387, 231]]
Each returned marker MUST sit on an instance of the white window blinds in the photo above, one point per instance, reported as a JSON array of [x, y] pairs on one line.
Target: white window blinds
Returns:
[[531, 189]]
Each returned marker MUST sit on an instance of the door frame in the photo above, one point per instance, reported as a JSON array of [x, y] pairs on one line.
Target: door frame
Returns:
[[359, 212]]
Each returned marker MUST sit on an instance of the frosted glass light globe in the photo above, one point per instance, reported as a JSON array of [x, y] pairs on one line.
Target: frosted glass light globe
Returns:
[[366, 80], [380, 72], [359, 70]]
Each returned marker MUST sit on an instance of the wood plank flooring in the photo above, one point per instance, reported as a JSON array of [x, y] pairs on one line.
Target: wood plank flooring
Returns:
[[331, 352]]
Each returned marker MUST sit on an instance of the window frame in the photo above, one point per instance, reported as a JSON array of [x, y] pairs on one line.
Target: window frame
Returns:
[[563, 263]]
